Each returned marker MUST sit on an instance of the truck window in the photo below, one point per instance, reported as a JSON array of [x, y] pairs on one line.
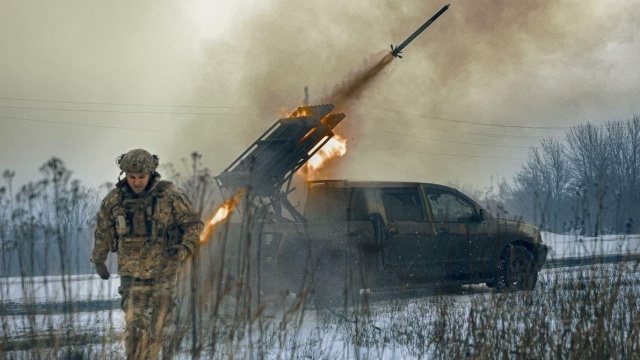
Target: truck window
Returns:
[[449, 208], [402, 204]]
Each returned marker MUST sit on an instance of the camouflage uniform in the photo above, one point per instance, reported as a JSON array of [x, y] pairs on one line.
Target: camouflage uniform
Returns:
[[141, 228]]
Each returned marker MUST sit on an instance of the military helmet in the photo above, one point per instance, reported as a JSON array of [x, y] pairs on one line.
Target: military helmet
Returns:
[[138, 161]]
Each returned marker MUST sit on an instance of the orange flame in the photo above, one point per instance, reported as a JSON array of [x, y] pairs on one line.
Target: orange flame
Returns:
[[335, 147], [300, 113], [221, 214], [313, 129], [284, 112]]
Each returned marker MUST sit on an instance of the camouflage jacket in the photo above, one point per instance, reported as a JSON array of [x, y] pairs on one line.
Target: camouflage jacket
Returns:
[[141, 227]]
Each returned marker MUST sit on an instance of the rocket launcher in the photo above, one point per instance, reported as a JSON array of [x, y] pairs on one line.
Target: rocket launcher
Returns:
[[270, 162]]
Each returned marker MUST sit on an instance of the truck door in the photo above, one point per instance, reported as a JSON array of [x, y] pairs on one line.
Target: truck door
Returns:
[[453, 216], [481, 246], [405, 248]]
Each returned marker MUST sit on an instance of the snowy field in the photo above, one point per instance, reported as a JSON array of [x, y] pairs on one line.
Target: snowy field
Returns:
[[572, 246], [91, 288], [50, 317]]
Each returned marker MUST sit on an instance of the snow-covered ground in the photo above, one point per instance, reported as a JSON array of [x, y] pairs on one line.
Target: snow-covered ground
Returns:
[[58, 288], [91, 287], [572, 246], [312, 334]]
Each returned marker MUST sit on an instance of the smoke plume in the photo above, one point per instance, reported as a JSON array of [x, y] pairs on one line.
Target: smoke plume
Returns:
[[355, 86], [503, 62]]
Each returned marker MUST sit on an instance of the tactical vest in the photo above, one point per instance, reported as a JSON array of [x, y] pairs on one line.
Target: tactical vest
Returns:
[[141, 235], [137, 218]]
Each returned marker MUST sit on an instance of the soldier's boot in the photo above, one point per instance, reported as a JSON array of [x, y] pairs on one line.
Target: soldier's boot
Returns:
[[164, 313]]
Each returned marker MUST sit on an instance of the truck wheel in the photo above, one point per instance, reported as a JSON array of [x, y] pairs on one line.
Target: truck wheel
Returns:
[[516, 270]]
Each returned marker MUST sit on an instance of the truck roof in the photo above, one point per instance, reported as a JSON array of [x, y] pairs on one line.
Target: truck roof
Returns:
[[346, 184], [378, 184]]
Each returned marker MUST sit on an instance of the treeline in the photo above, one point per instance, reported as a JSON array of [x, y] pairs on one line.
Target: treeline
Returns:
[[588, 182], [46, 225]]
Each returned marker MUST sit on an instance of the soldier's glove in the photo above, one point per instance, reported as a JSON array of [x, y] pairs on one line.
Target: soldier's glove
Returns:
[[177, 252], [102, 270]]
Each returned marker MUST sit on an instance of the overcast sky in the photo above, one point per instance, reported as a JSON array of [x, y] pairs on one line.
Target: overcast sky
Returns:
[[87, 81]]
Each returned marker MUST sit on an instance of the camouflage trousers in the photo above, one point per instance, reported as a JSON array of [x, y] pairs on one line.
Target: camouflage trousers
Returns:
[[150, 314]]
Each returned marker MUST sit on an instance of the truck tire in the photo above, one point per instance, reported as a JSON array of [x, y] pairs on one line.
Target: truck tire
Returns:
[[516, 270]]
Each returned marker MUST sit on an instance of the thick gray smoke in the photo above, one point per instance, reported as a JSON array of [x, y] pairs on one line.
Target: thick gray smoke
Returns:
[[505, 62]]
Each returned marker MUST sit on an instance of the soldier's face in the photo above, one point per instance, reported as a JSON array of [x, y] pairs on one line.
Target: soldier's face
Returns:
[[137, 181]]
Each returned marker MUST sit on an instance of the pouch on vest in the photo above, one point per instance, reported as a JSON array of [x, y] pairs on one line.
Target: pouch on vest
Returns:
[[132, 243], [139, 223], [121, 226], [138, 212]]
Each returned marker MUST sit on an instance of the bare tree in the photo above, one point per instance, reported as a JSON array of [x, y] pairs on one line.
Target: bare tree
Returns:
[[588, 181], [631, 157], [198, 183], [49, 222], [590, 156], [542, 186]]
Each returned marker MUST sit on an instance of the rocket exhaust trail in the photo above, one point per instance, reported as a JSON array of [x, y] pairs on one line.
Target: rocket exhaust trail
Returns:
[[354, 87]]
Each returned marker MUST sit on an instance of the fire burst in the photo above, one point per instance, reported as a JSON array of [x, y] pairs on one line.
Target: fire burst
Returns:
[[336, 146], [221, 214]]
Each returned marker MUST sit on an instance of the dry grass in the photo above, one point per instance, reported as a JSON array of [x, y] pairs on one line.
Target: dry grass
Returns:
[[230, 310], [581, 312]]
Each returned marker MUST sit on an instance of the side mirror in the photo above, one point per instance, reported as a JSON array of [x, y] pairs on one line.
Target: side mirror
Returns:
[[481, 215]]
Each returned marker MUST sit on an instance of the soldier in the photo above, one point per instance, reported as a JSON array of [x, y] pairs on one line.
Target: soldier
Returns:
[[153, 227]]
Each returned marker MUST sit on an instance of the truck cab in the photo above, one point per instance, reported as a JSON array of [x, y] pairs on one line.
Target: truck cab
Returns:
[[401, 232]]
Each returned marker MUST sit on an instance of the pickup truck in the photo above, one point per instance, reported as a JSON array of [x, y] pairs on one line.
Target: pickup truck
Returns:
[[355, 237], [363, 236]]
